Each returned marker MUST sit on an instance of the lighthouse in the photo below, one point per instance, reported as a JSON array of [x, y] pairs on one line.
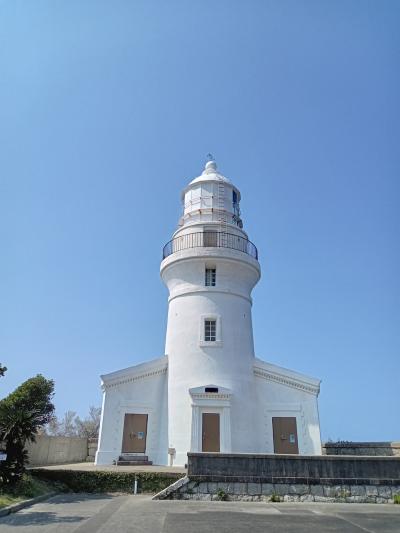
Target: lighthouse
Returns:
[[210, 268], [209, 392]]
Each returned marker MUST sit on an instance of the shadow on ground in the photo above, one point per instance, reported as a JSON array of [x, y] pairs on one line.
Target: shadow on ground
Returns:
[[39, 518], [77, 497]]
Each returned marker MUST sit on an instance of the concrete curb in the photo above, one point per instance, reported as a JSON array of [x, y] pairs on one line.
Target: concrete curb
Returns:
[[163, 494], [26, 503]]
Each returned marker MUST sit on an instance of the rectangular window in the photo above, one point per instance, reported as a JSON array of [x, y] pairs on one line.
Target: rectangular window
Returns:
[[211, 274], [210, 330]]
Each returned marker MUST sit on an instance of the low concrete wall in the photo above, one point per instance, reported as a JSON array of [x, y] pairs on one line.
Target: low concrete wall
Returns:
[[293, 468], [57, 450], [362, 448], [293, 478]]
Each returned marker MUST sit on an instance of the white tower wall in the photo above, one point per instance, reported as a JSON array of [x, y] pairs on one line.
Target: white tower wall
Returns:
[[226, 363]]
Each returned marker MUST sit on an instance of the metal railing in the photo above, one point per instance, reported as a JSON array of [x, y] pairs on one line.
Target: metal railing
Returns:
[[210, 239]]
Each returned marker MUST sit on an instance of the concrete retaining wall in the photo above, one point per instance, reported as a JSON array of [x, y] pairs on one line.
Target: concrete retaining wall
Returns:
[[291, 478], [362, 448], [57, 450], [293, 468]]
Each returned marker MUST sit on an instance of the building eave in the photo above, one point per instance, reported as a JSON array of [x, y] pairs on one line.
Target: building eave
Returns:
[[133, 373], [286, 377]]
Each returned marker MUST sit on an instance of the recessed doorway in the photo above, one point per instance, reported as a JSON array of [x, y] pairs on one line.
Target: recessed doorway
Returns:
[[135, 433], [210, 432], [285, 434]]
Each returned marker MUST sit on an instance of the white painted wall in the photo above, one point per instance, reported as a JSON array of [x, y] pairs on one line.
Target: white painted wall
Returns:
[[134, 393], [228, 362], [276, 399]]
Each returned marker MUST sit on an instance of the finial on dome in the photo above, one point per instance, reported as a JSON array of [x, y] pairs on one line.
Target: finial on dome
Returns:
[[210, 163]]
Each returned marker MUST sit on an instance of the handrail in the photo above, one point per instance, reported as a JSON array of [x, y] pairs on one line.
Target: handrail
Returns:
[[210, 239]]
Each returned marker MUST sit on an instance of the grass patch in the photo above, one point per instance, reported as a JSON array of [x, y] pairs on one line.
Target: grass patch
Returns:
[[9, 499], [100, 481], [28, 487]]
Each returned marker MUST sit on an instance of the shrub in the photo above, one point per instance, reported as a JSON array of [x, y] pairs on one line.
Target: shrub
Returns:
[[396, 498], [275, 498], [22, 413], [100, 481], [222, 495]]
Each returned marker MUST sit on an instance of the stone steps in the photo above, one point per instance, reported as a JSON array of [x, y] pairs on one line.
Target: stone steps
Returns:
[[133, 460]]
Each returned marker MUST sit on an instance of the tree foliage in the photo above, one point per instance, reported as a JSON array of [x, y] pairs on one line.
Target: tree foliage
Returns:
[[64, 427], [89, 426], [72, 425], [3, 369], [22, 413]]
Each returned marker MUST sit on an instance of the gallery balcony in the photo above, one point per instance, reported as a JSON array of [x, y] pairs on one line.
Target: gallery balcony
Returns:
[[210, 239]]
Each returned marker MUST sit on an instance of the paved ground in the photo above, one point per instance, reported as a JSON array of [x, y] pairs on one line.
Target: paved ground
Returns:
[[80, 513], [87, 467]]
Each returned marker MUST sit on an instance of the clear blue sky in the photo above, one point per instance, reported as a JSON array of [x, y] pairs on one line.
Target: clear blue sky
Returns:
[[107, 109]]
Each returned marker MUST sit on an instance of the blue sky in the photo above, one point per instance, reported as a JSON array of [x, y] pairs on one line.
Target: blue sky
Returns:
[[108, 109]]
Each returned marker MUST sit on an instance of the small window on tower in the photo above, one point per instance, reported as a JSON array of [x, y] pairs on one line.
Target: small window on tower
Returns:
[[211, 275], [210, 330]]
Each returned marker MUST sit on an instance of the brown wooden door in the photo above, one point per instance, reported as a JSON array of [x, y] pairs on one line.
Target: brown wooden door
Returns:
[[285, 434], [135, 433], [210, 428]]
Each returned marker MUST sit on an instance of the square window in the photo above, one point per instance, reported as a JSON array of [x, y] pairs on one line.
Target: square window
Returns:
[[210, 330], [211, 276]]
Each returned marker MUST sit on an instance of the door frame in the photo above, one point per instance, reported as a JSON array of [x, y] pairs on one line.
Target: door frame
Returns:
[[205, 412], [278, 441], [217, 403], [146, 432], [294, 410], [136, 410]]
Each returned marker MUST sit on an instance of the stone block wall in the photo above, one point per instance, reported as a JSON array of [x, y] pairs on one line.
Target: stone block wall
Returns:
[[91, 450], [285, 492]]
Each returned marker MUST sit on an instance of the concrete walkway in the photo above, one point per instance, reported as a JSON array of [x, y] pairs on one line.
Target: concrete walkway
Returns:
[[91, 467], [102, 513]]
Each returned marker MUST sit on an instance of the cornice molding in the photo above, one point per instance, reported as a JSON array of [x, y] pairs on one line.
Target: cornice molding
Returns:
[[135, 377], [210, 396], [193, 290], [285, 380]]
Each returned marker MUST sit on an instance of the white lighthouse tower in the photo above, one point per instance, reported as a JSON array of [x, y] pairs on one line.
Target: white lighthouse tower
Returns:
[[208, 393], [210, 268]]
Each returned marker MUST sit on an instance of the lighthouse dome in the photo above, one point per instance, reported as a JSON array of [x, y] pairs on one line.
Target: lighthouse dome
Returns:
[[210, 173], [211, 198]]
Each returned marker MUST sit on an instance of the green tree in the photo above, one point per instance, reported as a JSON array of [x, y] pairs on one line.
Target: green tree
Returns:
[[22, 413]]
